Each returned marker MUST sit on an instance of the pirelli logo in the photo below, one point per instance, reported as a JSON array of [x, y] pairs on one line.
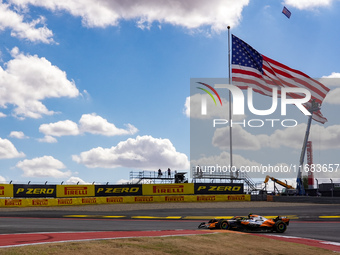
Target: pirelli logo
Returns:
[[35, 191], [206, 198], [13, 202], [121, 190], [215, 188], [75, 191], [168, 189], [174, 199], [65, 201], [89, 200], [39, 202], [114, 200], [2, 190], [144, 199], [218, 188], [237, 198]]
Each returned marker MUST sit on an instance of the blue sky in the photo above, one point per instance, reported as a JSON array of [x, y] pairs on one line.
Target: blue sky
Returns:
[[92, 90]]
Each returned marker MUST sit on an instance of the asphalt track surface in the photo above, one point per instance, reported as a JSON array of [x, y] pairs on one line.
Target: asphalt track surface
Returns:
[[320, 222]]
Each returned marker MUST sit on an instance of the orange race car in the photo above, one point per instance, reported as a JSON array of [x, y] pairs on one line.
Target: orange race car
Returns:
[[251, 223]]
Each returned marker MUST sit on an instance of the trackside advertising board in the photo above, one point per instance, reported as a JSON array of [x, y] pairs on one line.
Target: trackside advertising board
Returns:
[[33, 190], [218, 188], [118, 190], [6, 190], [168, 189], [35, 202], [75, 190]]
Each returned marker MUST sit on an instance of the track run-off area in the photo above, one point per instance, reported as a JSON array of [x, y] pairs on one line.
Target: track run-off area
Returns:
[[312, 224]]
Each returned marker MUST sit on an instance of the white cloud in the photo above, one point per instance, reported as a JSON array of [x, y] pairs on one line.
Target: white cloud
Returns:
[[75, 180], [289, 137], [135, 181], [332, 80], [18, 134], [326, 138], [308, 4], [8, 150], [35, 31], [144, 152], [94, 124], [190, 14], [2, 179], [35, 79], [124, 181], [86, 95], [2, 115], [186, 110], [60, 128], [324, 177], [242, 139], [88, 123], [45, 166], [47, 139], [333, 97]]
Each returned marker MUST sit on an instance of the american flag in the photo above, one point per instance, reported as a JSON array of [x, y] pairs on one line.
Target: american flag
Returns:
[[252, 69], [286, 12]]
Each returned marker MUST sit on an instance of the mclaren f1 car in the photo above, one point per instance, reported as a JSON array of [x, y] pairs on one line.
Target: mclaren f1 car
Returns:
[[251, 223]]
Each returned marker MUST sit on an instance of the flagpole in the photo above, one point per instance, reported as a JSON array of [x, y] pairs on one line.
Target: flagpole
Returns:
[[230, 127]]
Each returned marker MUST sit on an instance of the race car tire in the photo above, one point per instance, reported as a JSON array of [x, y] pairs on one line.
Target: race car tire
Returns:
[[223, 224], [280, 226]]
